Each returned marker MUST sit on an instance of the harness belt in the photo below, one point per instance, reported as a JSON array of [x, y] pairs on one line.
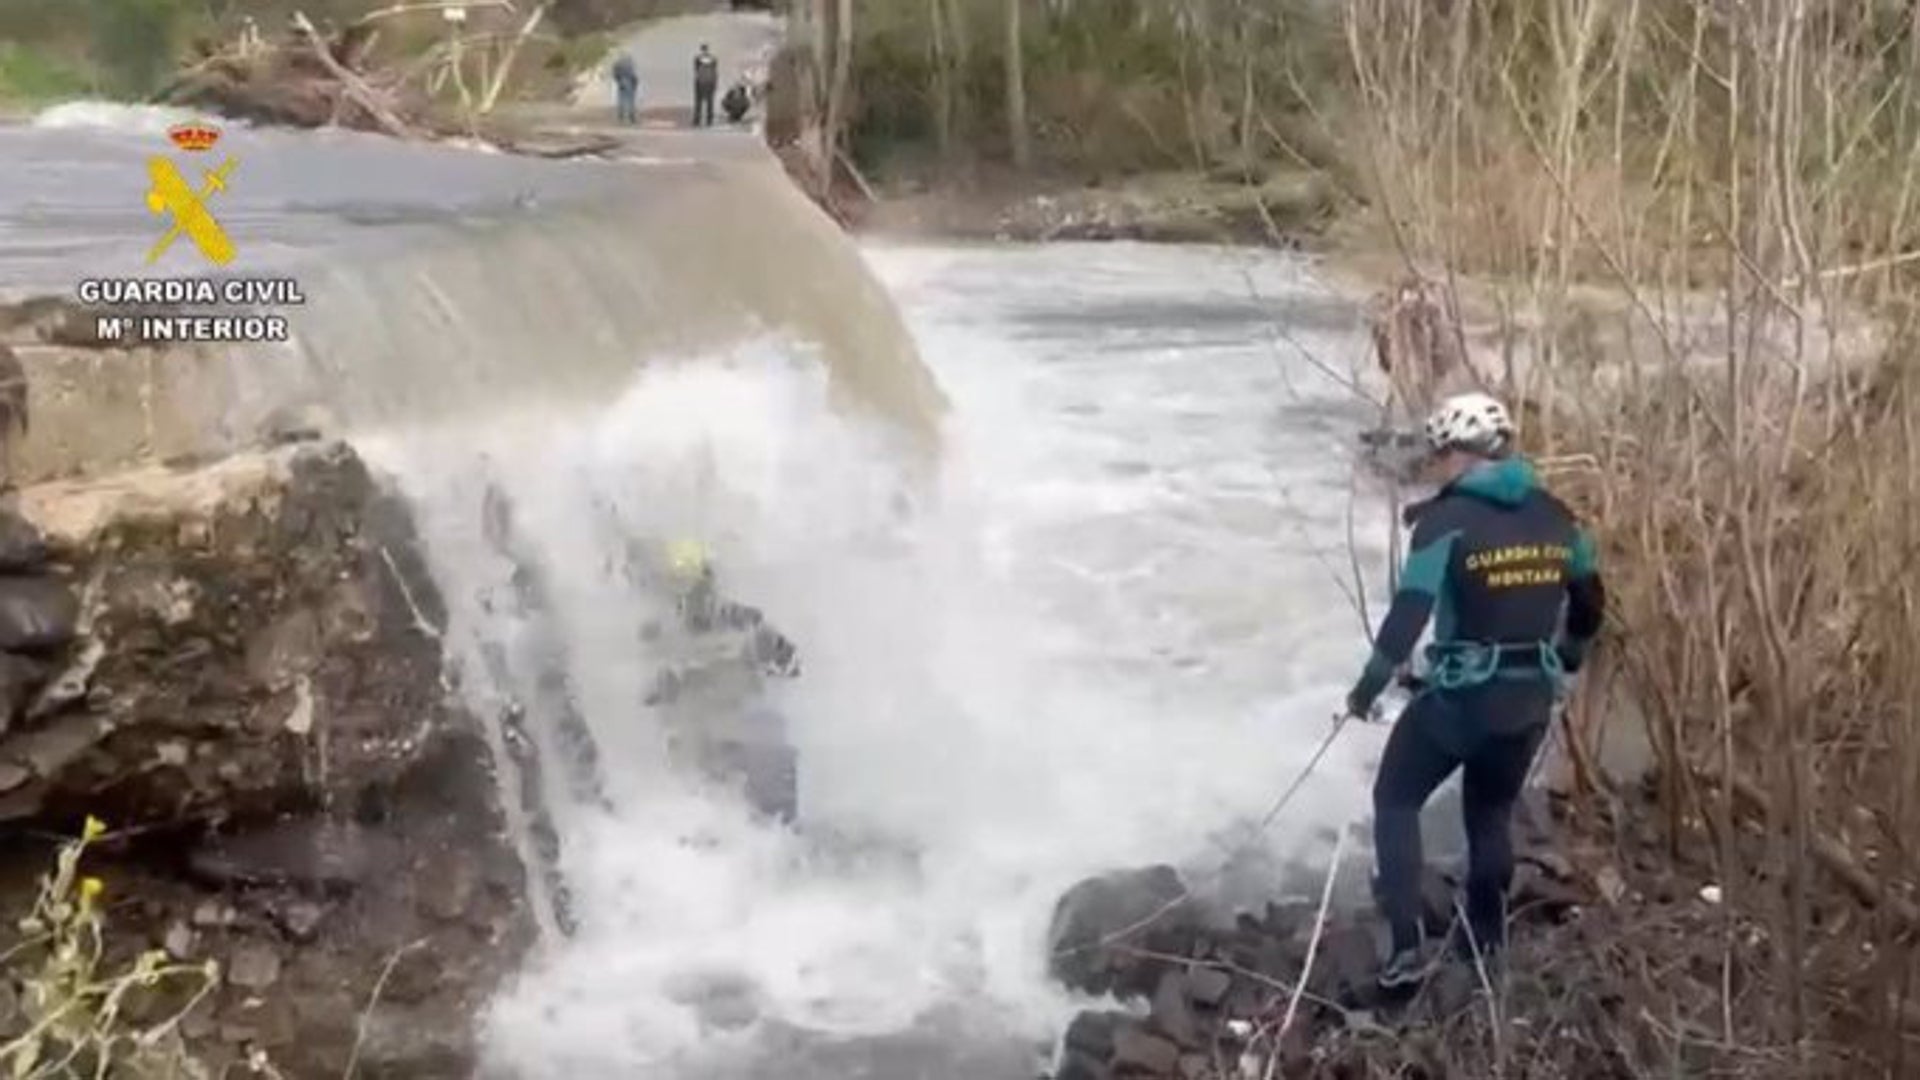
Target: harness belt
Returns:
[[1461, 665]]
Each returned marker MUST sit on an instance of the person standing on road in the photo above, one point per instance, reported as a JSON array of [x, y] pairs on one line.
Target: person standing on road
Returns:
[[1493, 558], [626, 87], [706, 81]]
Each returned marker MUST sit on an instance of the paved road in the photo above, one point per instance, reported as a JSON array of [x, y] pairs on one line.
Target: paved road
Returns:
[[663, 52]]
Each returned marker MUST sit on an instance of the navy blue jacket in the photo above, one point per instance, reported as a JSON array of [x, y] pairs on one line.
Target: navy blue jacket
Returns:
[[1495, 560]]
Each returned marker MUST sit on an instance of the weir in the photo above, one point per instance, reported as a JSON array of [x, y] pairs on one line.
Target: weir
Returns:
[[439, 282]]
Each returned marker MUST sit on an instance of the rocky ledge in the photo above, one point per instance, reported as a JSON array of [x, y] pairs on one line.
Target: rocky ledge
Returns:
[[235, 666], [1204, 995]]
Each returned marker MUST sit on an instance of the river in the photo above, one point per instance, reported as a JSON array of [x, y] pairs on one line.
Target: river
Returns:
[[1111, 633]]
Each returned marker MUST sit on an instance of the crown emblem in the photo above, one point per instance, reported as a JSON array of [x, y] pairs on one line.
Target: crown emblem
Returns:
[[194, 137]]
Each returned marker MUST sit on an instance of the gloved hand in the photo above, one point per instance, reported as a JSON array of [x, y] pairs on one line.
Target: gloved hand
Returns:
[[1357, 708]]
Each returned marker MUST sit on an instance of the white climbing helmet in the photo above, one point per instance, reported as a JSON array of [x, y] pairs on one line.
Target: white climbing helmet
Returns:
[[1472, 422]]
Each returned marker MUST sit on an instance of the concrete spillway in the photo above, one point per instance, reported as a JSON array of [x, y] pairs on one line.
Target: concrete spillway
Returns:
[[439, 282]]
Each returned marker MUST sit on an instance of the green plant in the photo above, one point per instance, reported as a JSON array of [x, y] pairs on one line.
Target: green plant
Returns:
[[73, 1012], [33, 75]]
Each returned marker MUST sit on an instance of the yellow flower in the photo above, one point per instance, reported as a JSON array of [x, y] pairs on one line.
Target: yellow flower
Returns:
[[94, 829], [91, 888]]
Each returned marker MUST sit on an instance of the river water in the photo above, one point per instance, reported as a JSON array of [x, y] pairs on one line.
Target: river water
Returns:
[[1110, 633]]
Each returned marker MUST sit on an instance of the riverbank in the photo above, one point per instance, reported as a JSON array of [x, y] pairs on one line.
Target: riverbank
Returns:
[[1292, 209]]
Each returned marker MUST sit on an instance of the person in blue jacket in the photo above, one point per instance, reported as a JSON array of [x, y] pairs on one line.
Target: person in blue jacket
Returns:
[[626, 87], [1497, 562]]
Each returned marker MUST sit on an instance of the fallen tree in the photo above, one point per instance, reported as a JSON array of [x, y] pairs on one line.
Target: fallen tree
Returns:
[[311, 78]]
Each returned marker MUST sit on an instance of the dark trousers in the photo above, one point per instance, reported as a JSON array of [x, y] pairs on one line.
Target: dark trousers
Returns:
[[1491, 732], [625, 102], [703, 106]]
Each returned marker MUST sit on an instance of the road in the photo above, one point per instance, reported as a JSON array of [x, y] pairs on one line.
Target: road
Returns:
[[663, 52]]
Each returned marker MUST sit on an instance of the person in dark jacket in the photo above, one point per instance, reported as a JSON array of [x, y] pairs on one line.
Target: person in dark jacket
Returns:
[[712, 693], [1497, 562], [706, 80], [738, 100], [626, 88]]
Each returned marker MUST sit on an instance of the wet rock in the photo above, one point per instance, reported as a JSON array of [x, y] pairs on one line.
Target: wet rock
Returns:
[[1137, 1052], [48, 751], [312, 853], [1345, 969], [1075, 1065], [415, 1043], [179, 941], [265, 1022], [20, 678], [255, 967], [1173, 1012], [1288, 919], [37, 614], [1209, 986], [1092, 1032], [1101, 925], [446, 889], [23, 549], [209, 914], [298, 919]]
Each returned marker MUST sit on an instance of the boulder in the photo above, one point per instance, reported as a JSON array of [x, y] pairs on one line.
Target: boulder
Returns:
[[1103, 925], [254, 703], [1347, 967], [238, 616], [23, 549], [37, 614], [1091, 1033], [1173, 1014], [1139, 1052], [315, 854]]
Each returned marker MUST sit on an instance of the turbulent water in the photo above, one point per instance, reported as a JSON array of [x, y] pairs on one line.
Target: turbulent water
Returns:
[[1109, 634]]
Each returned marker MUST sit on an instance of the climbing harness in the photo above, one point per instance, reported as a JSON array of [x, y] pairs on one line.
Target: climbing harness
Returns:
[[1463, 665]]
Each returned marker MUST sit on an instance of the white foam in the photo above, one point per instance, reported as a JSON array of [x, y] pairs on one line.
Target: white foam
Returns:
[[116, 116]]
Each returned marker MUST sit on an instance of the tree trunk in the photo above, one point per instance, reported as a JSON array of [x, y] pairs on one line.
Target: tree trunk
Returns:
[[836, 93], [942, 79], [1017, 89], [962, 49]]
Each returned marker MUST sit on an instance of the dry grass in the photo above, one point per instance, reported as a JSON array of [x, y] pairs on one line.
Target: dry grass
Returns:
[[1742, 176], [73, 1013]]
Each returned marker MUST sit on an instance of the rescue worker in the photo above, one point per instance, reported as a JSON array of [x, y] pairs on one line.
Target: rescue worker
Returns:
[[1495, 559], [712, 694], [626, 87], [738, 100], [706, 80]]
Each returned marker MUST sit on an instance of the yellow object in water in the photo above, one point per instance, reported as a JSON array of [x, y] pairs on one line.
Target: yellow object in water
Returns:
[[687, 558]]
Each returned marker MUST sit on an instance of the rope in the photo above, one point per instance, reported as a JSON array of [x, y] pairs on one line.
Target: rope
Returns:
[[1186, 890]]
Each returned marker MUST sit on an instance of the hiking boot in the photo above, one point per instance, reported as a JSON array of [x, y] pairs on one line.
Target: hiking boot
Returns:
[[1408, 967]]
